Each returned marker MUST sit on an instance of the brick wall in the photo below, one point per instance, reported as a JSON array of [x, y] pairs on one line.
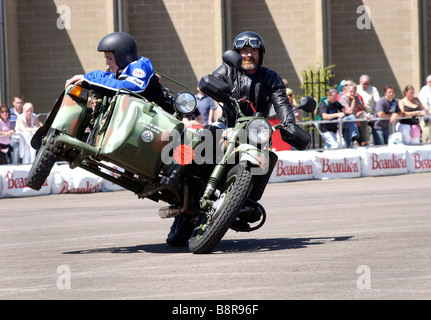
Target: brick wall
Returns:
[[387, 52], [184, 39], [48, 55]]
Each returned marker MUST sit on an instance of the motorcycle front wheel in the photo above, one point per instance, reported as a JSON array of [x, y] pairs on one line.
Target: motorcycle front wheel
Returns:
[[222, 213], [44, 161]]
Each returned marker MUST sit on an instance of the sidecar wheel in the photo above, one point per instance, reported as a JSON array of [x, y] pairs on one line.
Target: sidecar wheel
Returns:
[[180, 232], [213, 226], [45, 160]]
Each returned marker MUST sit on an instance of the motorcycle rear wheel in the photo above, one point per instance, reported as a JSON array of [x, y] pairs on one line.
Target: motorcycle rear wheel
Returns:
[[213, 226], [43, 163]]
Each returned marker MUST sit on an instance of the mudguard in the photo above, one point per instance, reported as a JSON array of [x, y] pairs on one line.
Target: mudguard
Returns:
[[70, 116], [253, 155], [262, 164]]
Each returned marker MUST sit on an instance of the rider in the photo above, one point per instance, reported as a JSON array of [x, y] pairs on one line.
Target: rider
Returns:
[[126, 70], [260, 85]]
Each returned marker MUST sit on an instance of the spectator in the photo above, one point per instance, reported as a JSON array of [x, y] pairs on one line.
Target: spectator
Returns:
[[351, 103], [385, 107], [330, 109], [292, 101], [410, 106], [341, 87], [289, 92], [27, 125], [425, 97], [370, 96], [6, 131], [18, 102], [206, 107], [359, 113]]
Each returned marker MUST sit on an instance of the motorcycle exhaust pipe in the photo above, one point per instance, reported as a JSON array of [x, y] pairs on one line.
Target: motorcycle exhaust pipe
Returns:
[[169, 212]]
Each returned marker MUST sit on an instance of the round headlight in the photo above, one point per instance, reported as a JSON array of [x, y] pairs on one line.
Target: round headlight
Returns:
[[259, 131], [185, 102]]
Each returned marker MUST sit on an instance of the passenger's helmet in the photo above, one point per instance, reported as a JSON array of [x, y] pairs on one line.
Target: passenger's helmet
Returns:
[[123, 45], [252, 39]]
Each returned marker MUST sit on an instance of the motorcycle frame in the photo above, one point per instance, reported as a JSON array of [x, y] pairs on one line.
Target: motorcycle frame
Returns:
[[257, 158]]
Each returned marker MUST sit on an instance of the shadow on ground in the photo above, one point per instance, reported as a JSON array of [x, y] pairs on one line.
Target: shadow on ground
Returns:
[[225, 246]]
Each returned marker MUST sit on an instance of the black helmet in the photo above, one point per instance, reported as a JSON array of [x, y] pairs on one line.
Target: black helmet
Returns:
[[252, 39], [123, 45]]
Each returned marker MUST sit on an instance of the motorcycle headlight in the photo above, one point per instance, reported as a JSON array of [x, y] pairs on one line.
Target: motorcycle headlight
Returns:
[[259, 131], [185, 102]]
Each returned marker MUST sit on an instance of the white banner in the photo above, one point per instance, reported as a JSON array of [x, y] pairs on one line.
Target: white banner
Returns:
[[418, 159], [77, 180], [293, 166], [337, 164], [13, 182], [383, 161]]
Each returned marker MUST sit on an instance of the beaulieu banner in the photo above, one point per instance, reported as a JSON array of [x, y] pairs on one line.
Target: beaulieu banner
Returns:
[[351, 163], [290, 166]]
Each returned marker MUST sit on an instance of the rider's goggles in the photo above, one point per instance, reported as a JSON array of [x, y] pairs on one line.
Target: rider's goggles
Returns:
[[252, 42]]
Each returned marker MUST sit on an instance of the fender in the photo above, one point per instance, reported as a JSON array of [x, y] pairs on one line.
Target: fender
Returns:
[[66, 115], [256, 157], [70, 116]]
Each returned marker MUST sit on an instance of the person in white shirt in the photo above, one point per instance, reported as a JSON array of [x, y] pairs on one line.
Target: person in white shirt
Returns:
[[425, 98], [27, 124], [370, 95]]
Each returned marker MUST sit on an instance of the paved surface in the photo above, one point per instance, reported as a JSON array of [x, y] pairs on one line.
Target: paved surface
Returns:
[[367, 238]]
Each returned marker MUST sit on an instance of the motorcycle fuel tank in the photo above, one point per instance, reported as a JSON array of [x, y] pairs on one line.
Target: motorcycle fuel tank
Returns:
[[136, 135]]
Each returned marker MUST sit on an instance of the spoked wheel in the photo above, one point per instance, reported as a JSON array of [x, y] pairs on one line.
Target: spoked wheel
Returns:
[[45, 160], [222, 213], [181, 230]]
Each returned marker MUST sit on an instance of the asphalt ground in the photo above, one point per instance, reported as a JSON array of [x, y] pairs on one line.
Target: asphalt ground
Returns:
[[364, 238]]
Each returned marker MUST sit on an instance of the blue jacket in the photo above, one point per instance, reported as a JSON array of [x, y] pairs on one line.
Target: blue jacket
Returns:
[[134, 77], [138, 77]]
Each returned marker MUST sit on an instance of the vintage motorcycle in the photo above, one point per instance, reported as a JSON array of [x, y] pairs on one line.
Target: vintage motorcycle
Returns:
[[212, 178]]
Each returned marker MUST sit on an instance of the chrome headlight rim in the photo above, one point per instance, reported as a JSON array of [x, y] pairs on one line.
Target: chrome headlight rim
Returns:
[[259, 131]]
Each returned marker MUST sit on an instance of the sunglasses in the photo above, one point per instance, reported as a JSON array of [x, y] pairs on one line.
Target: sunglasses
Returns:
[[252, 42]]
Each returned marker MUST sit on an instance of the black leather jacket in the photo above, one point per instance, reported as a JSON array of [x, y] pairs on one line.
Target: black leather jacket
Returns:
[[266, 88]]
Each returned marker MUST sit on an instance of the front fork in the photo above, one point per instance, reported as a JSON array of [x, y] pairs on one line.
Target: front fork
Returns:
[[217, 173], [258, 158]]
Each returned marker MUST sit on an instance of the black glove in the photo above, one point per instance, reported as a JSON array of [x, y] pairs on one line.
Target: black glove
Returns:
[[295, 136]]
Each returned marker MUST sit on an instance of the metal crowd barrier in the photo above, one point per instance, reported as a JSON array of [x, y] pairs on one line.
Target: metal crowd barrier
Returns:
[[314, 124]]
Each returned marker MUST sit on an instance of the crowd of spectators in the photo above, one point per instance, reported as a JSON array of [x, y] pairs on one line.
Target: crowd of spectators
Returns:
[[410, 115], [17, 127]]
